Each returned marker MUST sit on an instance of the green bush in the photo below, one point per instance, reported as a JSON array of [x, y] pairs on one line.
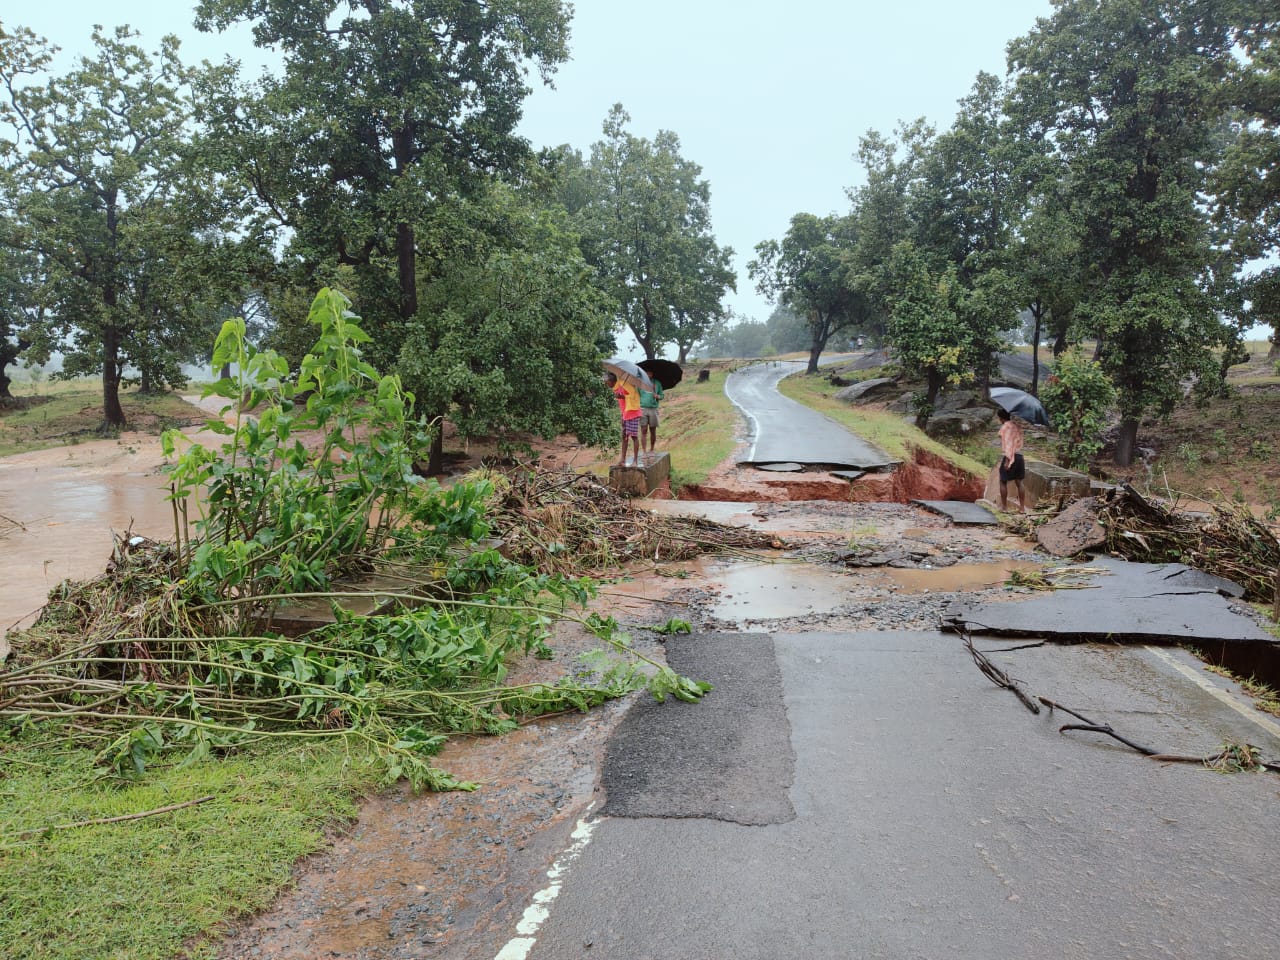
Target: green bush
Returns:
[[1077, 397]]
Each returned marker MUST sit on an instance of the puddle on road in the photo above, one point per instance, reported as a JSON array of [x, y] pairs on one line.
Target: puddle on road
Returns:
[[773, 591], [961, 576]]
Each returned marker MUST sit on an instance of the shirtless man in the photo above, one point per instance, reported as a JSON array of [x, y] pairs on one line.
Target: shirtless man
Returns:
[[1012, 466]]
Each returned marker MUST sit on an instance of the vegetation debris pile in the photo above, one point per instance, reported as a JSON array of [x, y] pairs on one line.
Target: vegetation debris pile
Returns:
[[565, 523], [1231, 542]]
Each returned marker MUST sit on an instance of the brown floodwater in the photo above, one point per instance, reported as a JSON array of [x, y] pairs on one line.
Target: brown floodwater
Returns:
[[960, 576], [61, 511]]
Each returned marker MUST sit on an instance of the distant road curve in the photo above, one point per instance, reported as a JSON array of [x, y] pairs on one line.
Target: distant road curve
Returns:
[[784, 431]]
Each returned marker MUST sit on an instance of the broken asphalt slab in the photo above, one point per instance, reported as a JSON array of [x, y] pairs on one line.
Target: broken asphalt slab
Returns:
[[1133, 602], [960, 511]]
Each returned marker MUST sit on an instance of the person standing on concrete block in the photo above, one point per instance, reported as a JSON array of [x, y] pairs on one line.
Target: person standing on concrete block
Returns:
[[649, 416], [1012, 466], [629, 406]]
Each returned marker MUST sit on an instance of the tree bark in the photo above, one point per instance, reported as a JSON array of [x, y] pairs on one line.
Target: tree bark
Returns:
[[112, 411], [1038, 312], [930, 397], [1126, 443]]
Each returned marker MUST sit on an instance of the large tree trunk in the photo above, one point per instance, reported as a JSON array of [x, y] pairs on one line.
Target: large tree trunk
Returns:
[[8, 354], [1126, 443], [930, 398], [819, 342], [112, 412], [1038, 312]]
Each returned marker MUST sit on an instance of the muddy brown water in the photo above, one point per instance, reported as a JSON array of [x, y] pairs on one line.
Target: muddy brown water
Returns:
[[64, 507]]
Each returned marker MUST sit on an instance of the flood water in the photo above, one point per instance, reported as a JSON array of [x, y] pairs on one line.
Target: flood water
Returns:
[[60, 508], [961, 576]]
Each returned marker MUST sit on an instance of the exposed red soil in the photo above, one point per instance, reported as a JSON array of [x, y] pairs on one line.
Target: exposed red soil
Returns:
[[925, 477]]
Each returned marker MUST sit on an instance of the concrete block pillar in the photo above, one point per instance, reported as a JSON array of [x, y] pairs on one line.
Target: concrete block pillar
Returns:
[[641, 479]]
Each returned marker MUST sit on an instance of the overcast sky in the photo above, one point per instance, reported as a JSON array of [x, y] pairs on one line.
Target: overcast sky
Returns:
[[768, 98]]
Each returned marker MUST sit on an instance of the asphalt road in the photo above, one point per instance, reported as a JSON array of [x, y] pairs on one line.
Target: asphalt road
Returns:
[[784, 431], [931, 814]]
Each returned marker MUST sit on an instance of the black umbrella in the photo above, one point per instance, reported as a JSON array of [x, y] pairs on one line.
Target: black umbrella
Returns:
[[1020, 404], [666, 372]]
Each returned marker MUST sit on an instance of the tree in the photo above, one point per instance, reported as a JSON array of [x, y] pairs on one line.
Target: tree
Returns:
[[386, 109], [930, 339], [787, 330], [1077, 398], [504, 342], [101, 201], [1126, 94], [646, 227], [808, 273], [1247, 183]]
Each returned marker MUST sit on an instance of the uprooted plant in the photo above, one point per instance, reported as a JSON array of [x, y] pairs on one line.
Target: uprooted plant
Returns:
[[174, 651]]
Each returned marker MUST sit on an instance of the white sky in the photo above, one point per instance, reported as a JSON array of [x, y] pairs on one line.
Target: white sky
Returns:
[[770, 99]]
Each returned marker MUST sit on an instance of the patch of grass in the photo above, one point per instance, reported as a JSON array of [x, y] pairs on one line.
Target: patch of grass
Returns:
[[143, 888], [71, 411], [698, 428], [888, 431]]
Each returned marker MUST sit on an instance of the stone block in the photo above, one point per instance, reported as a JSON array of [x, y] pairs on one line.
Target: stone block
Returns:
[[1044, 482], [640, 480]]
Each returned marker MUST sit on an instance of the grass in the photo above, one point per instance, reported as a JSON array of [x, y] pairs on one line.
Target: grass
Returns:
[[888, 431], [144, 888], [66, 412], [698, 428]]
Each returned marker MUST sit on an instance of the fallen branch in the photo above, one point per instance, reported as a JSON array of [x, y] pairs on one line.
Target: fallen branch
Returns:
[[100, 821], [1229, 758], [998, 676]]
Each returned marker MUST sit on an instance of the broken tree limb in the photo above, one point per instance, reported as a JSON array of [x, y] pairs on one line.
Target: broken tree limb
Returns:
[[1222, 760], [123, 818], [998, 676]]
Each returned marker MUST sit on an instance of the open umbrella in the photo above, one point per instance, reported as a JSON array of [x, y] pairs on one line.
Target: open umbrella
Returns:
[[629, 373], [666, 372], [1020, 404]]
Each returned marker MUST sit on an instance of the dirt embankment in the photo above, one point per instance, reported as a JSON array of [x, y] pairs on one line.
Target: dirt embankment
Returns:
[[926, 476]]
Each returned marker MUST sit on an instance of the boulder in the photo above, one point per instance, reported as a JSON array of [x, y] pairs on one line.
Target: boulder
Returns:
[[961, 422], [865, 389], [1074, 531]]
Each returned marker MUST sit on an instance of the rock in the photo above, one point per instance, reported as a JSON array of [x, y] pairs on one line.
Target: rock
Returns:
[[1075, 530], [864, 389], [950, 400], [962, 421]]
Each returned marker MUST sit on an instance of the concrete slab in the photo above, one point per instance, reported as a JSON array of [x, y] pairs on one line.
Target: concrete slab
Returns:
[[1045, 481], [780, 467], [640, 479], [1142, 602], [959, 511]]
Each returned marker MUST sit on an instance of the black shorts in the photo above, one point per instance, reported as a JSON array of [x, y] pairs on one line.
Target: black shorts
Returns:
[[1014, 471]]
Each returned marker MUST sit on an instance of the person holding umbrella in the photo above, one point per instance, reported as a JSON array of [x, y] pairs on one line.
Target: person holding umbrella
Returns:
[[649, 400], [629, 406]]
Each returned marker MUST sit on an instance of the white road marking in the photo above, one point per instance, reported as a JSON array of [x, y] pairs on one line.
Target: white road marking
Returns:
[[1217, 692], [539, 910]]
